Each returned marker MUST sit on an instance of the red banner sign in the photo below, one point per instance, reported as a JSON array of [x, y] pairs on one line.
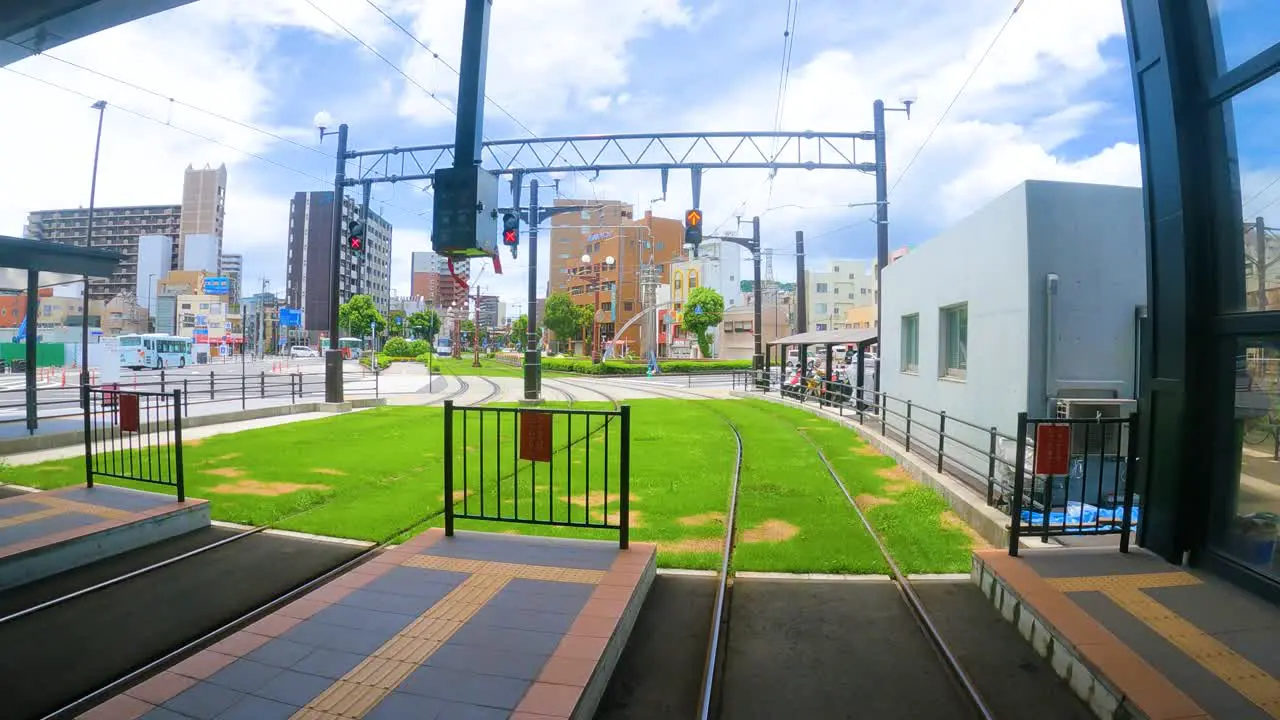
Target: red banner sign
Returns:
[[129, 420], [535, 436], [1053, 449]]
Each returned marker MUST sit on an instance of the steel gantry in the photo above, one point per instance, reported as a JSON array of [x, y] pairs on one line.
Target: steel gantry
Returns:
[[461, 165]]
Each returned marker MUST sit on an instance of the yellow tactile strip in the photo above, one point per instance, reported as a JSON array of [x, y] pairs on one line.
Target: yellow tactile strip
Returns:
[[1139, 685], [54, 506], [1213, 655], [373, 679]]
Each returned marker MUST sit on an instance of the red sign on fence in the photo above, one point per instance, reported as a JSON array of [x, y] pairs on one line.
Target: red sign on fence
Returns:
[[129, 421], [1053, 449], [535, 436]]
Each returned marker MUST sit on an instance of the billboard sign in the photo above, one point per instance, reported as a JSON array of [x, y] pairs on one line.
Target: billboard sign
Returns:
[[217, 286], [290, 317]]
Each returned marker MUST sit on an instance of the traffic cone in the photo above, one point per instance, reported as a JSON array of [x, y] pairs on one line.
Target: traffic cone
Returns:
[[64, 377]]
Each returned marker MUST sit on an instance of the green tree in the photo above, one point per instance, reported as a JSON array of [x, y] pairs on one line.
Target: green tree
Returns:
[[702, 311], [520, 331], [563, 317], [424, 324], [357, 314], [395, 323]]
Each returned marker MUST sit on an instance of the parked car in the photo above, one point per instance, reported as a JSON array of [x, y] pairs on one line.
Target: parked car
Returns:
[[302, 351]]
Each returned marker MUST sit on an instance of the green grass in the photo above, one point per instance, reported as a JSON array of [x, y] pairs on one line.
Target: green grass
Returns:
[[462, 366], [377, 473]]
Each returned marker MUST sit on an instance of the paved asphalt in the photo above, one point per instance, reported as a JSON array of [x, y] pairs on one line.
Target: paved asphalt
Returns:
[[55, 656], [806, 649]]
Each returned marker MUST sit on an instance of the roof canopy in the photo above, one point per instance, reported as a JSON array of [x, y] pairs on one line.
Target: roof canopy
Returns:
[[56, 263], [860, 336]]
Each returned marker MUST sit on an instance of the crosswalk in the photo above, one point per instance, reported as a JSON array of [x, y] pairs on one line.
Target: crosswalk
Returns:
[[18, 382]]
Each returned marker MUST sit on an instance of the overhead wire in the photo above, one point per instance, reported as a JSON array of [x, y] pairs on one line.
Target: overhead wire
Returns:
[[956, 97], [784, 78]]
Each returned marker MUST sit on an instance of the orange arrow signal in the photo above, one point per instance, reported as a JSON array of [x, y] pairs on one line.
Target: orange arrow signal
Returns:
[[693, 217]]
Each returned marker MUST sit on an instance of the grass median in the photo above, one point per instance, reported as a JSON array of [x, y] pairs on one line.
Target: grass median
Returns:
[[370, 474]]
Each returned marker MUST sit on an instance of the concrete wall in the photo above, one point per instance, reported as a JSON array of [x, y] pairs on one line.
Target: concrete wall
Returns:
[[201, 252], [1093, 238], [155, 253], [981, 260]]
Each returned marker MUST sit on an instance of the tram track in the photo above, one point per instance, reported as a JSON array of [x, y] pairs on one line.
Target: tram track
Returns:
[[718, 643]]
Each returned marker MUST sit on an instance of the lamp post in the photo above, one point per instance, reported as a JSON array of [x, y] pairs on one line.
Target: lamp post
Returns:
[[594, 277], [101, 107]]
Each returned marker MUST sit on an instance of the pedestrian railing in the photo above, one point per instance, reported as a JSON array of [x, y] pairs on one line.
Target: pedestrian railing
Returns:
[[133, 435], [1075, 478], [553, 467]]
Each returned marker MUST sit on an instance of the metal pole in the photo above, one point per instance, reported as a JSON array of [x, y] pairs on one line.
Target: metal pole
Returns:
[[469, 131], [32, 314], [475, 333], [882, 220], [333, 356], [802, 313], [1260, 260], [532, 356], [757, 360], [101, 107], [363, 258], [595, 324]]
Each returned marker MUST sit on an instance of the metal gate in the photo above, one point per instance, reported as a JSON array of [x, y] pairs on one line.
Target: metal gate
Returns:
[[133, 435]]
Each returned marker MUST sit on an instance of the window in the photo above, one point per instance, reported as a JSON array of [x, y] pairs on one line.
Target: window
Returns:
[[910, 343], [679, 282], [835, 268], [693, 279], [820, 288], [954, 324], [628, 306], [820, 308], [853, 276]]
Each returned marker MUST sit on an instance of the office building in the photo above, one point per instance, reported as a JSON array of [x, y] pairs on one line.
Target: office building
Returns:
[[200, 253], [309, 269], [609, 229], [832, 292], [204, 195], [155, 257], [488, 311], [431, 280], [232, 265], [114, 228]]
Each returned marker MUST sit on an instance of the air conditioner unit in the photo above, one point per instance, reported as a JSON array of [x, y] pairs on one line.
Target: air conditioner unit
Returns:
[[1110, 439]]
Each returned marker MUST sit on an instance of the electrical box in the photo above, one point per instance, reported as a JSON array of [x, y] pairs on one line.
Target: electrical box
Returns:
[[465, 213]]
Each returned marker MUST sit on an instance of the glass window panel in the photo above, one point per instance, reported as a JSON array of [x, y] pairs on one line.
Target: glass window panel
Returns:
[[1253, 264], [1249, 520], [1242, 29], [910, 343]]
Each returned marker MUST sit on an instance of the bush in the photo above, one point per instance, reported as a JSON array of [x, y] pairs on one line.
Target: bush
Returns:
[[401, 348], [619, 367]]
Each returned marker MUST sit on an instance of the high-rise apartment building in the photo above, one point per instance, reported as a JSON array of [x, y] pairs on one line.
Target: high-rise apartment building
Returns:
[[204, 198], [308, 274], [200, 253], [833, 292], [611, 230], [114, 228], [233, 269], [431, 280], [488, 311]]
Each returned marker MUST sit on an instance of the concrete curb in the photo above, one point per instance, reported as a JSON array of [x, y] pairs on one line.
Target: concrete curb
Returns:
[[34, 443], [971, 507]]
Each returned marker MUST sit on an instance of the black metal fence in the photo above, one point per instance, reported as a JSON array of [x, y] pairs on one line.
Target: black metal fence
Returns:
[[980, 457], [1074, 478], [569, 468], [133, 435]]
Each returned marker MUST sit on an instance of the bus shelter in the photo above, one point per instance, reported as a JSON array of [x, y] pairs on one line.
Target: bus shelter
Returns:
[[26, 266], [860, 338]]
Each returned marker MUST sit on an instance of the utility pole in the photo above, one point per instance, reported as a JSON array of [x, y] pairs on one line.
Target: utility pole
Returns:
[[475, 333], [802, 311], [882, 211], [532, 355], [333, 356], [1260, 259], [753, 245]]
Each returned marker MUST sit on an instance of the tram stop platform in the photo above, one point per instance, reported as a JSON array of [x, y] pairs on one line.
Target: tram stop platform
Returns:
[[473, 626], [46, 533], [1137, 637]]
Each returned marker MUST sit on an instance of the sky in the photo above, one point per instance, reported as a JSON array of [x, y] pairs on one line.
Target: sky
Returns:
[[240, 82]]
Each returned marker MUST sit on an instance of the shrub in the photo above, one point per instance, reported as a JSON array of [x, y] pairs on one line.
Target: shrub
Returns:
[[401, 348]]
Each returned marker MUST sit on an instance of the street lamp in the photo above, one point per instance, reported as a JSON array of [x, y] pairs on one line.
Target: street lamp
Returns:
[[151, 296], [594, 277], [101, 107]]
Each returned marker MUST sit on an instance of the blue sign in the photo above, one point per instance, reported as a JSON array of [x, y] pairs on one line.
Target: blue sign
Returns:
[[22, 332], [217, 286], [290, 317]]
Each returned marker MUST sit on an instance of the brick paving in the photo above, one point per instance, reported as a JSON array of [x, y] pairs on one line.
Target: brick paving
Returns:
[[475, 626]]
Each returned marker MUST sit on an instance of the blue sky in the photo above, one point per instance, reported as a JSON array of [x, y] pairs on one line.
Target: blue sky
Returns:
[[1052, 101]]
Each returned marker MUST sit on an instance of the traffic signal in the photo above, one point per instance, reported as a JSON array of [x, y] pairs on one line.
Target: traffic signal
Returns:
[[355, 237], [693, 229], [511, 231]]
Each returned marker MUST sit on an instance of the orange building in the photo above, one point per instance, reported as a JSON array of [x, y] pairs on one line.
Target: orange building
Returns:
[[611, 230]]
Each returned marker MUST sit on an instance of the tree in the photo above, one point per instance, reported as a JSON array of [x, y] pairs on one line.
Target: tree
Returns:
[[520, 330], [357, 314], [425, 324], [395, 323], [562, 317], [703, 310]]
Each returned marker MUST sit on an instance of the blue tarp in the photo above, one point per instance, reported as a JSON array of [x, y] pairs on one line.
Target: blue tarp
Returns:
[[1093, 518]]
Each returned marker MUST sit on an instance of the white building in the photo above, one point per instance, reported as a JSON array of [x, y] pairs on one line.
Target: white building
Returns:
[[718, 266], [201, 252], [1030, 301], [232, 265], [155, 254], [842, 286]]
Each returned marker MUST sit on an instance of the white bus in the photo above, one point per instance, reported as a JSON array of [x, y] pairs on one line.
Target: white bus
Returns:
[[155, 351]]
